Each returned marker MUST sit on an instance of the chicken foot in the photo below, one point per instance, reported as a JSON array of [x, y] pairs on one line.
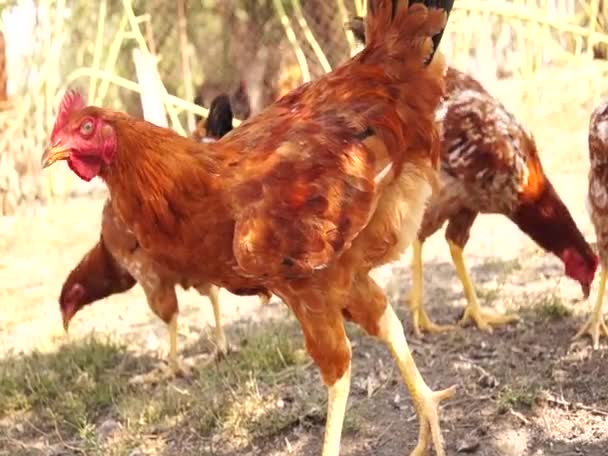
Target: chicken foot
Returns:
[[425, 400], [176, 368], [420, 320], [483, 319], [595, 326]]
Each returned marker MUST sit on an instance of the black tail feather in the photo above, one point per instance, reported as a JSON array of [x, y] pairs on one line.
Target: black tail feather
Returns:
[[220, 117]]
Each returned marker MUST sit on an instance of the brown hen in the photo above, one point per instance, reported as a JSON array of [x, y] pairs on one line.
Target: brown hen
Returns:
[[304, 199], [117, 262]]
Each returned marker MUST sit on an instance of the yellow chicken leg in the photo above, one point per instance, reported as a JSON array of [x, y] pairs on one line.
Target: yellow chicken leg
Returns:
[[484, 319], [220, 336], [595, 325], [174, 364], [420, 319], [425, 400], [162, 373], [336, 409]]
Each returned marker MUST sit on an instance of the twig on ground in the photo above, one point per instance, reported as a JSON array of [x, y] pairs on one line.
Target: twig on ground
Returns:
[[574, 405], [520, 417]]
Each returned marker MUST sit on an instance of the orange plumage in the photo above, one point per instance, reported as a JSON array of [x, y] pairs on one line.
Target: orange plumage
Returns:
[[303, 199]]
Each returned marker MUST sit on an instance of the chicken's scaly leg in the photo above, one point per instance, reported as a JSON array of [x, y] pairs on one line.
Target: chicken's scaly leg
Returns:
[[425, 400], [420, 319], [336, 409], [220, 336], [484, 319], [173, 359], [595, 325], [175, 368]]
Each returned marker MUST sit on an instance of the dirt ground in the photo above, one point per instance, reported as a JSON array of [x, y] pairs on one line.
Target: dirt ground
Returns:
[[523, 390]]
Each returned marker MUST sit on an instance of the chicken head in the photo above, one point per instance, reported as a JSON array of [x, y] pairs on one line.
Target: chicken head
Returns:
[[82, 137]]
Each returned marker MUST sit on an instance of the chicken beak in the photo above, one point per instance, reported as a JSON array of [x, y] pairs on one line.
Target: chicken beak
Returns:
[[66, 324], [66, 316], [53, 154], [586, 290]]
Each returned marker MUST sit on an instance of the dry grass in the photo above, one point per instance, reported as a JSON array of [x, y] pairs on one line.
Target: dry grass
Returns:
[[79, 398]]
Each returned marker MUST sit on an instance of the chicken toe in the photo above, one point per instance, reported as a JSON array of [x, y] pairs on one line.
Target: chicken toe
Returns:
[[483, 319], [161, 374], [427, 405], [422, 323], [595, 326]]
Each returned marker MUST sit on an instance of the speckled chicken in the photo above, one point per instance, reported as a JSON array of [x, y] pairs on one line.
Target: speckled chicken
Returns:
[[490, 164], [597, 204]]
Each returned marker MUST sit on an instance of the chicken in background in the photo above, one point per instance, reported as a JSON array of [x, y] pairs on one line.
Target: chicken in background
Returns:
[[490, 165], [117, 262], [597, 196], [304, 199], [239, 98], [217, 124]]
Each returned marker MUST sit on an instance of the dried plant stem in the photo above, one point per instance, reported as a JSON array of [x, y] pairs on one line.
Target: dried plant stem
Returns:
[[183, 41], [293, 40], [312, 41], [98, 46]]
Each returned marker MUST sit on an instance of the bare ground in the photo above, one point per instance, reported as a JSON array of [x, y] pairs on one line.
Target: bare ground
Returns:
[[523, 390]]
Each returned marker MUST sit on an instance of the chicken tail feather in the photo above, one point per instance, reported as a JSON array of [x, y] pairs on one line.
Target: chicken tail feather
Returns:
[[402, 26]]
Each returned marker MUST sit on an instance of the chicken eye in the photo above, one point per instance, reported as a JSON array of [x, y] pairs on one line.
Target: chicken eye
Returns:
[[87, 127]]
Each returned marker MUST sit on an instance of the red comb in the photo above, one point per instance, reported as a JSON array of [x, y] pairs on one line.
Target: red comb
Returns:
[[72, 101]]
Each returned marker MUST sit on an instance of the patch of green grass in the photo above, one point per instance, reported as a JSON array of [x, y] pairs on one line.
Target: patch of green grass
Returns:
[[262, 389], [518, 396], [75, 385], [552, 307], [254, 393]]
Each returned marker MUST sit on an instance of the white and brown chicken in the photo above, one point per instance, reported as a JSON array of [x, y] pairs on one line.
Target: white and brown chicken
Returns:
[[597, 205]]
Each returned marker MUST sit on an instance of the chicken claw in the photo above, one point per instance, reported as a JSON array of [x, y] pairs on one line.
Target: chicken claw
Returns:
[[485, 319], [422, 323], [595, 325], [427, 405], [162, 374]]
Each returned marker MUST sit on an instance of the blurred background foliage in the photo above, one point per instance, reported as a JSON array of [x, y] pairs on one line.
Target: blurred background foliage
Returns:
[[539, 56]]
